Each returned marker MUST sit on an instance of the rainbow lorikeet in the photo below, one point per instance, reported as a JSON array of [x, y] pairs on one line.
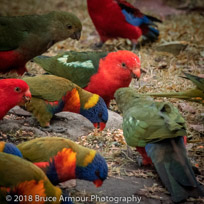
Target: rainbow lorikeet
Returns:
[[13, 92], [24, 37], [118, 18], [10, 149], [62, 159], [196, 94], [159, 127], [23, 182], [52, 94], [98, 72]]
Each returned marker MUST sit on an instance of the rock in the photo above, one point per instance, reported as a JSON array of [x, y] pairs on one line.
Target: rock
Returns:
[[76, 125], [115, 120], [68, 184], [19, 111], [174, 47], [116, 188]]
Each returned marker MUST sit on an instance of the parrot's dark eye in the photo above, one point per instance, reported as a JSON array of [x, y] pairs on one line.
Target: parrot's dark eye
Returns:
[[123, 65], [17, 89], [100, 115], [69, 27]]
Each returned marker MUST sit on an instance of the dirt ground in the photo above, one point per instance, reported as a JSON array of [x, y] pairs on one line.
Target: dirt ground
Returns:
[[162, 71]]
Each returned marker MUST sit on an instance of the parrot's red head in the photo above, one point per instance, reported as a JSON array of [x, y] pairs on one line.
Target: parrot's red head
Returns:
[[123, 64], [115, 71], [13, 92]]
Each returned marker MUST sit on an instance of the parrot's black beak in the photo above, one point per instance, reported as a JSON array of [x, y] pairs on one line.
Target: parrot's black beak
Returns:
[[76, 35]]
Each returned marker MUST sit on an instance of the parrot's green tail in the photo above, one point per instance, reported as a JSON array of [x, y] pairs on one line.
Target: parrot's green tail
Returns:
[[195, 95], [181, 95], [170, 160]]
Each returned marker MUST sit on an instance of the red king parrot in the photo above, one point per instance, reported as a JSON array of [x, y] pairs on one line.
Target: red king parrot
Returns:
[[62, 159], [118, 18], [24, 37], [52, 94], [159, 127], [23, 182], [98, 72], [13, 92]]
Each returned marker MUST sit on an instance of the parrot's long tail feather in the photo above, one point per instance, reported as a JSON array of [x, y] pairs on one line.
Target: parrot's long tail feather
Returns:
[[171, 162]]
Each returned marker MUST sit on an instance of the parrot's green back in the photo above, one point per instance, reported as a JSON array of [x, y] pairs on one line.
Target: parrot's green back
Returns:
[[10, 40], [33, 34], [48, 87], [75, 66], [38, 150], [146, 121]]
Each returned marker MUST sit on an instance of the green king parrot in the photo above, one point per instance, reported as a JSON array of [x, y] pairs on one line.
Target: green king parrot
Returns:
[[159, 128]]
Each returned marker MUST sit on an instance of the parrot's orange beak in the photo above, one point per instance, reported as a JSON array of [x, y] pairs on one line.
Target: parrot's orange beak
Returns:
[[98, 182], [26, 98], [136, 73], [27, 95], [100, 125]]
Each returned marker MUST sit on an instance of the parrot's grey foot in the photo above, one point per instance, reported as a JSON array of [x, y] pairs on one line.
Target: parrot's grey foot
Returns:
[[139, 161], [98, 45], [29, 74], [59, 130], [52, 129], [61, 118]]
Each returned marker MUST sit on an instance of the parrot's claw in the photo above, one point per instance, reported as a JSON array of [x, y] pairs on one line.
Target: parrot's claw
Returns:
[[61, 118], [29, 74], [51, 129], [98, 45], [140, 161]]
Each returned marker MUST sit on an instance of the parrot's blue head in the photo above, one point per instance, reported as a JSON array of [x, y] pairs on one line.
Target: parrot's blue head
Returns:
[[96, 111], [12, 149], [96, 171]]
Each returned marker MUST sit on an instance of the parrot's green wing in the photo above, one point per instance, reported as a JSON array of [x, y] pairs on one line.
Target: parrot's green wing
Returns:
[[10, 40], [75, 66], [38, 150], [22, 174], [49, 87], [152, 123], [198, 81], [146, 121]]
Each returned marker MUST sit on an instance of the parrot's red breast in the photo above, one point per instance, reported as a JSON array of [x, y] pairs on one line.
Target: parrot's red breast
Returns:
[[11, 61]]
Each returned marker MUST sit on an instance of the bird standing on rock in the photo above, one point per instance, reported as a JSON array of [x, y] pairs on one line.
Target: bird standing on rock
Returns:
[[159, 128], [97, 72], [52, 94], [62, 159], [118, 18], [24, 37]]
